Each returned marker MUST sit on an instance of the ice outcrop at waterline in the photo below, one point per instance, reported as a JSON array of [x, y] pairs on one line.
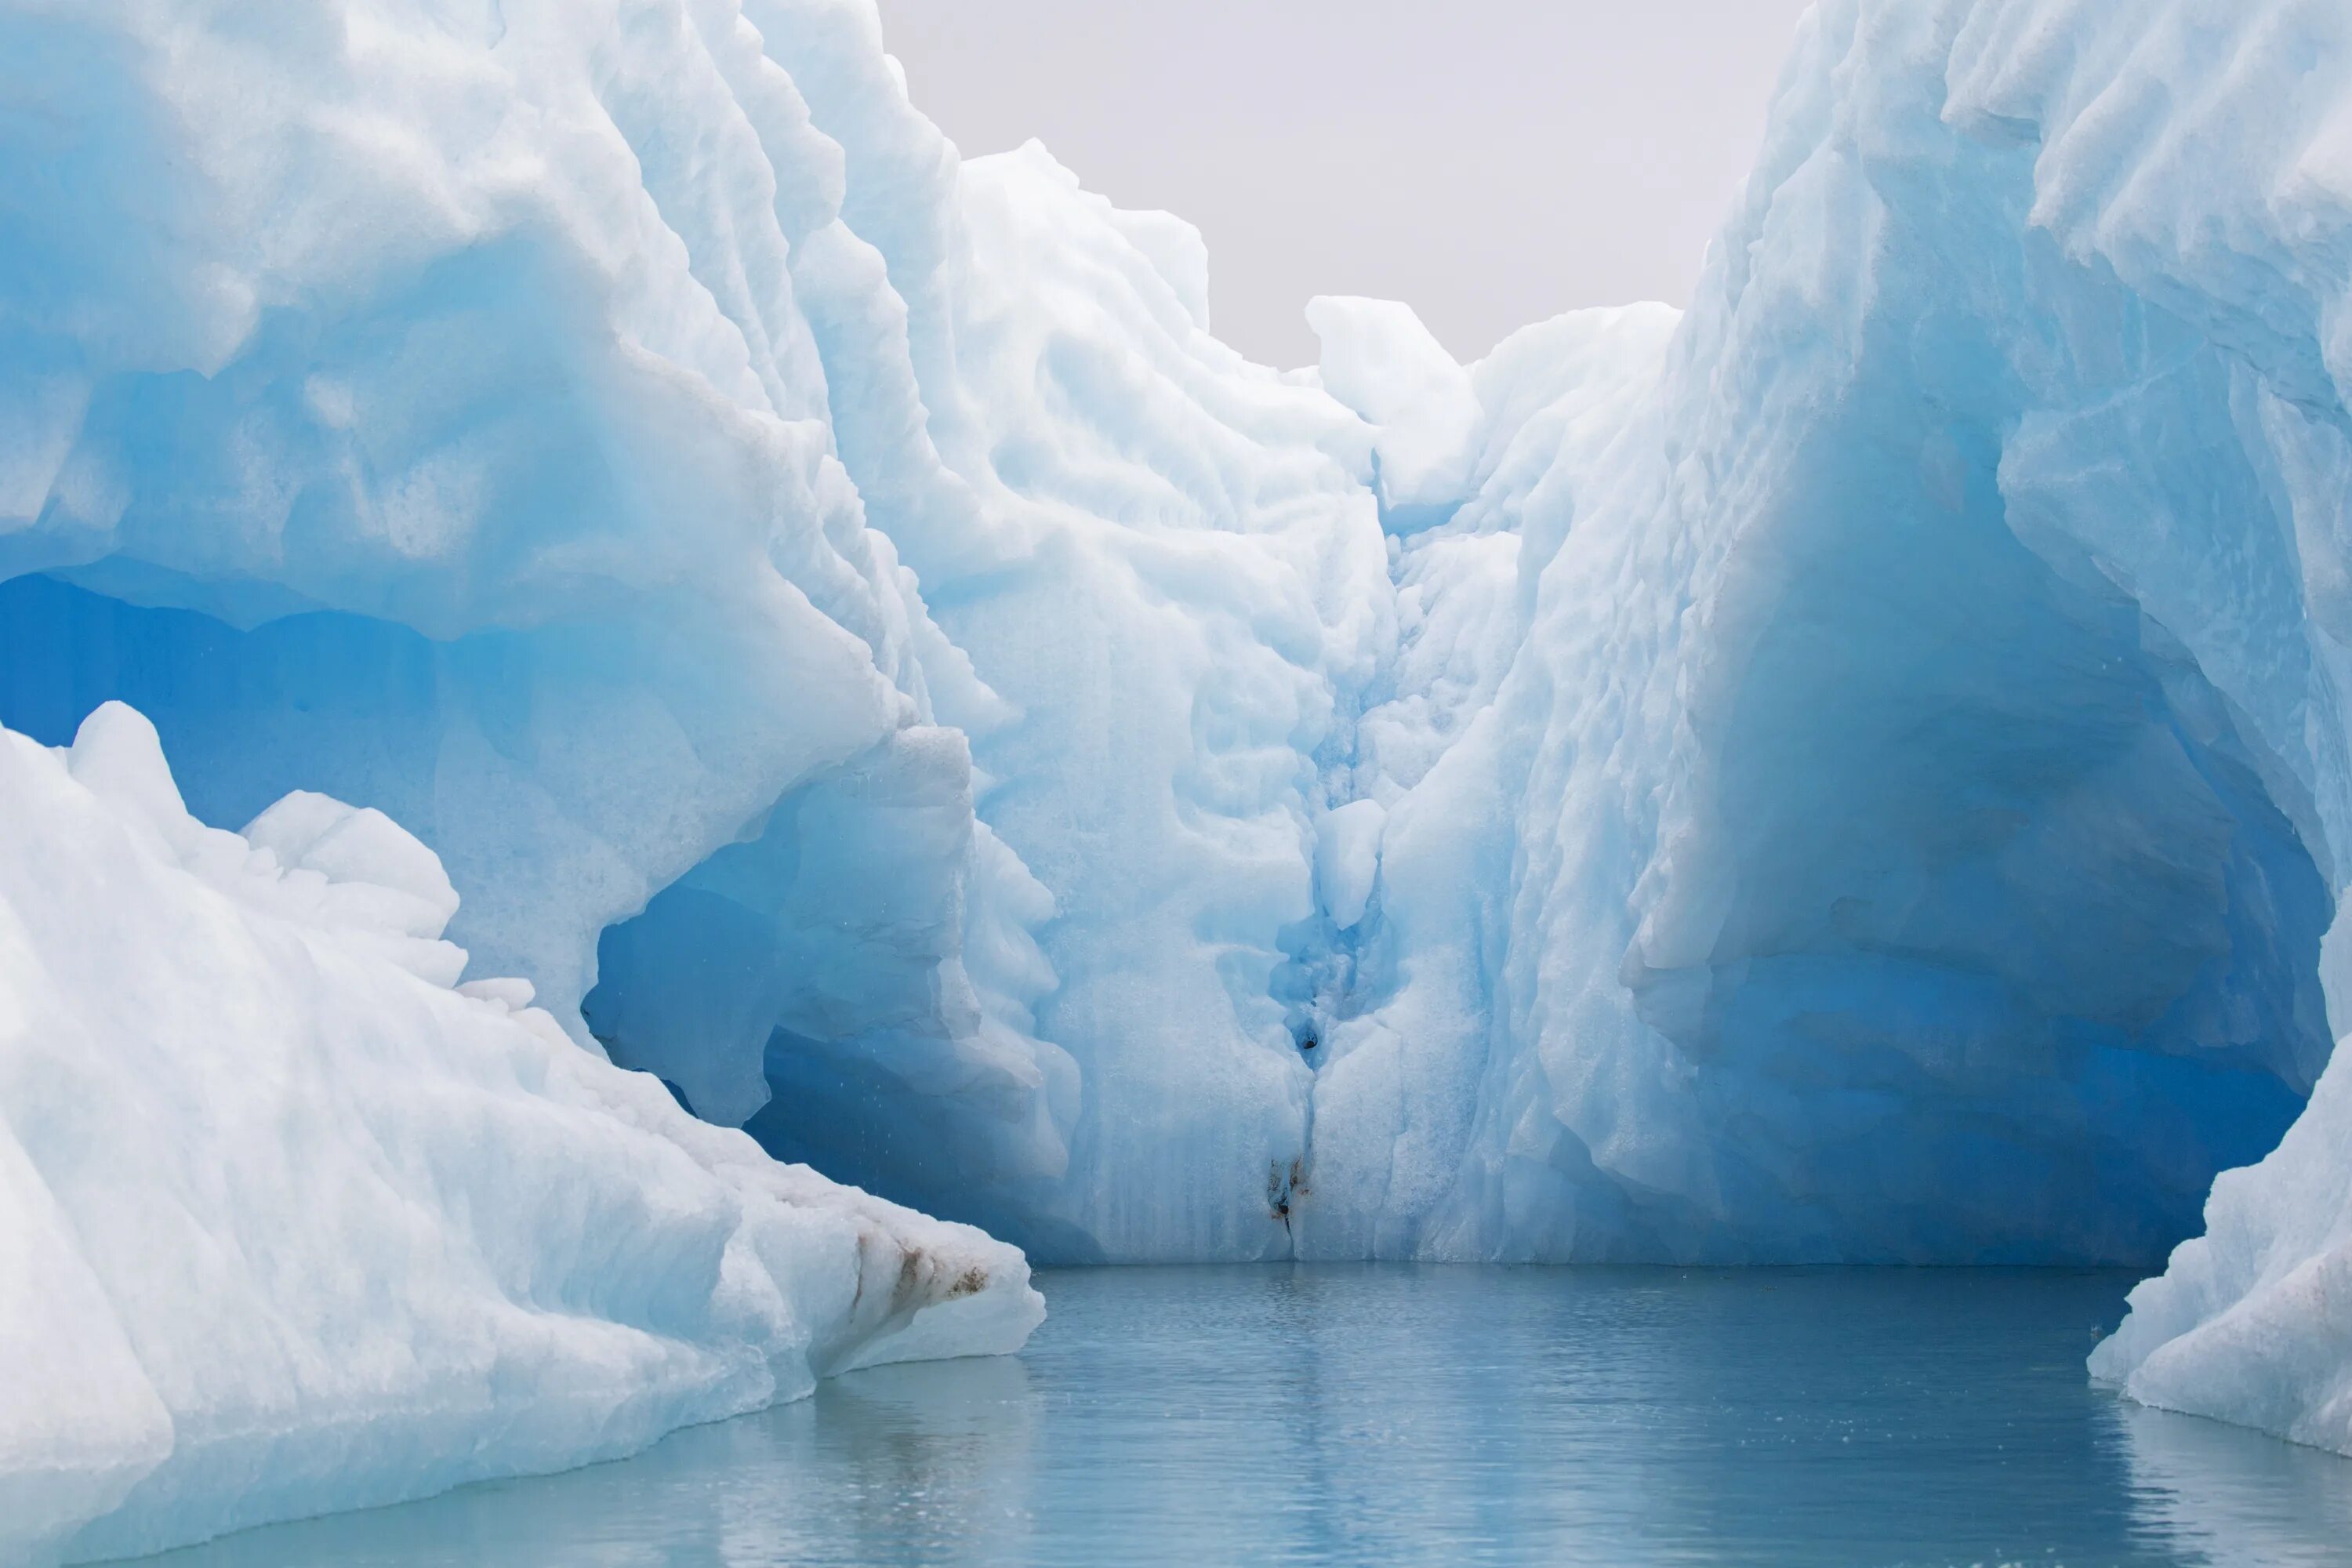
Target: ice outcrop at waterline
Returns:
[[1912, 823], [287, 1224], [1909, 825], [1855, 772]]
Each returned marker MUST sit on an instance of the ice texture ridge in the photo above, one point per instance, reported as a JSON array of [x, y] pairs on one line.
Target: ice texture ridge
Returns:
[[857, 643], [287, 1224]]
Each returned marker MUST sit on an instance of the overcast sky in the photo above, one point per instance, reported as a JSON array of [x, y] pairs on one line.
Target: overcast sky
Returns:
[[1492, 161]]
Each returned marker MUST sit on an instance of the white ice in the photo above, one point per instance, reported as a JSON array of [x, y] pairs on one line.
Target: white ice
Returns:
[[288, 1225]]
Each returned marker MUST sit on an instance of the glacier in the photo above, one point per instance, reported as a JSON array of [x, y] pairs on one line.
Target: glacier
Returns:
[[1855, 771]]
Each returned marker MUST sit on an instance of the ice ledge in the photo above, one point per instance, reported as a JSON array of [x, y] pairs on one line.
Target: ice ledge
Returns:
[[287, 1225]]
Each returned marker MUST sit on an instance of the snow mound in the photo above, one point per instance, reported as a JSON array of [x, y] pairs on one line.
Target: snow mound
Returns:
[[288, 1225]]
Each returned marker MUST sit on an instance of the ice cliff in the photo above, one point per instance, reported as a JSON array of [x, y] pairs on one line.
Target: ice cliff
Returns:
[[1912, 822], [1855, 772]]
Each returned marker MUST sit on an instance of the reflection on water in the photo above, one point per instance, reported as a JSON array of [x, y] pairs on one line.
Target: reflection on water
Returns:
[[2215, 1495], [1384, 1414]]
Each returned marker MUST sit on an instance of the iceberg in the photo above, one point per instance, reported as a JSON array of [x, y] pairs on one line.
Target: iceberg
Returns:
[[1913, 821], [288, 1224], [1856, 771], [1906, 829], [610, 441], [1911, 825]]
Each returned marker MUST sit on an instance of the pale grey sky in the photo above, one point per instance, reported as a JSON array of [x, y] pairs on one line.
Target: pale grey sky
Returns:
[[1491, 162]]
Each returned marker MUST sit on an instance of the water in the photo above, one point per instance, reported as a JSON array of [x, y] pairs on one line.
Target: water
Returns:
[[1380, 1414]]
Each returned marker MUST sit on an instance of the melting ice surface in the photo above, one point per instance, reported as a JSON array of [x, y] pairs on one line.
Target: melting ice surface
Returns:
[[1342, 1414]]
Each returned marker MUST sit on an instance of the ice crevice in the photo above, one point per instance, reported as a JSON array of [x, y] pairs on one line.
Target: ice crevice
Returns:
[[1853, 771]]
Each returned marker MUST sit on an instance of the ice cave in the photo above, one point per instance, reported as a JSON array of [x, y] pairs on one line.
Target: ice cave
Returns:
[[635, 678]]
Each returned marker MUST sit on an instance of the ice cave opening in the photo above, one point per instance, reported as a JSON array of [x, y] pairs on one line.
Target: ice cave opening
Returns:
[[823, 952], [807, 983], [2013, 950]]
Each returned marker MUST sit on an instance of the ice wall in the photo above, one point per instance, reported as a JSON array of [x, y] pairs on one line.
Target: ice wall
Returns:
[[1908, 822], [2234, 214], [1191, 591], [1853, 772], [528, 420], [288, 1225], [1912, 823]]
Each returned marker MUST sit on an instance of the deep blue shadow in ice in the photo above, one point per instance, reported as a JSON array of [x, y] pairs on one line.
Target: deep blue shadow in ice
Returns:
[[1384, 1414], [350, 705], [245, 715], [359, 708], [1992, 912]]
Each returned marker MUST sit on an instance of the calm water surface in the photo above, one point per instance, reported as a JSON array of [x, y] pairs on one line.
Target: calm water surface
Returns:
[[1382, 1414]]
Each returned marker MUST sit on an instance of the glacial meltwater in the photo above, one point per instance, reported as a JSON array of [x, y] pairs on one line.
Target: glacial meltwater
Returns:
[[1397, 1414]]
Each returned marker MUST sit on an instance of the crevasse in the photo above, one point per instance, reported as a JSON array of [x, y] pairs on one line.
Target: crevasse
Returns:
[[1855, 771]]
